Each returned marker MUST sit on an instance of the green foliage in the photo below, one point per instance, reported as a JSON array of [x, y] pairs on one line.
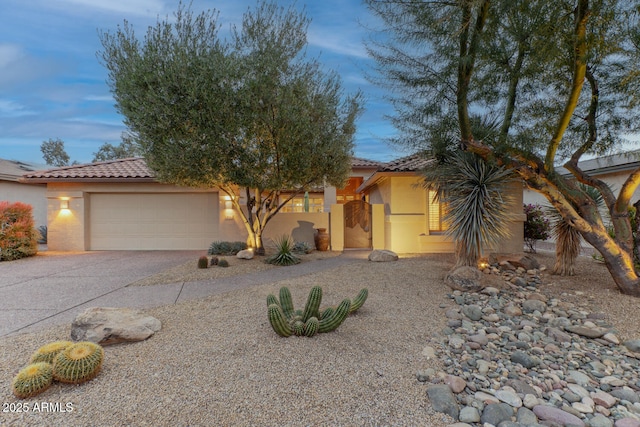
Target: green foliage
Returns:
[[283, 255], [203, 116], [226, 248], [48, 352], [127, 148], [302, 248], [203, 262], [287, 321], [477, 205], [78, 363], [18, 237], [32, 380], [53, 152], [536, 227], [223, 263]]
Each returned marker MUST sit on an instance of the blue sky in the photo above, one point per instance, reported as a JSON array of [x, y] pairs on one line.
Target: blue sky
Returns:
[[53, 86]]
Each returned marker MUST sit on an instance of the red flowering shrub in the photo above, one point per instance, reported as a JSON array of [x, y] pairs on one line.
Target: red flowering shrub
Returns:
[[18, 236]]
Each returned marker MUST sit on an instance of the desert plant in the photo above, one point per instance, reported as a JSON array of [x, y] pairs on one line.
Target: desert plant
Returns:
[[226, 248], [32, 380], [203, 262], [536, 227], [283, 255], [214, 261], [302, 248], [286, 321], [78, 363], [223, 263], [48, 352], [18, 237]]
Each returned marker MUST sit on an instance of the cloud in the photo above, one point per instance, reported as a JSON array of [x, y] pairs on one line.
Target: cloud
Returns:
[[10, 108], [120, 7], [9, 54]]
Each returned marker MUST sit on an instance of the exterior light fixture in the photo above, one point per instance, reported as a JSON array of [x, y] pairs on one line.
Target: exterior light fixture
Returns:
[[64, 204], [228, 204]]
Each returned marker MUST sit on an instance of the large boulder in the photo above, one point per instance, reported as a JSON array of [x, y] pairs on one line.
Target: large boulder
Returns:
[[517, 260], [383, 256], [245, 254], [107, 325], [465, 279]]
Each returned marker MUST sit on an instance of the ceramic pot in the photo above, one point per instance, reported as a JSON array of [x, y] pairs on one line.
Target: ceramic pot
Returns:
[[321, 239]]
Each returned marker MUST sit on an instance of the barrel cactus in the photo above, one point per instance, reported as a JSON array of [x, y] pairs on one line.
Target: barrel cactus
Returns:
[[33, 379], [48, 352], [78, 363], [287, 321]]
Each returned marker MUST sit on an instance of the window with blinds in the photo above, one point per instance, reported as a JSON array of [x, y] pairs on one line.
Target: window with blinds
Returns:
[[435, 214]]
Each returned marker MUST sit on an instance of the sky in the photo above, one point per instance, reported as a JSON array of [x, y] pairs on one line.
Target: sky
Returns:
[[53, 86]]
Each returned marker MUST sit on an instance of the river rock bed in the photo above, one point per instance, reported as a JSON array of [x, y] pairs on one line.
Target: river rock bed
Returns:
[[514, 357]]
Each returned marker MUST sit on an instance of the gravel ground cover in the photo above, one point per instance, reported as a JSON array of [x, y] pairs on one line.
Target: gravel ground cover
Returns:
[[217, 361]]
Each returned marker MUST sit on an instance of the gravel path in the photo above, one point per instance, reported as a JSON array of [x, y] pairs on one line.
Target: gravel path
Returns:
[[218, 362]]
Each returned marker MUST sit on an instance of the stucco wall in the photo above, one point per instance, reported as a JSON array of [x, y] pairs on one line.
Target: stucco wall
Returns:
[[31, 194]]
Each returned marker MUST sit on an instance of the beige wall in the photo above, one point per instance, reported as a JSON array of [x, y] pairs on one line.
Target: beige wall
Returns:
[[31, 194], [300, 226]]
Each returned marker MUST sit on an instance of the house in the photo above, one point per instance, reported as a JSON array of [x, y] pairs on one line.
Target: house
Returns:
[[119, 204], [13, 191], [613, 170]]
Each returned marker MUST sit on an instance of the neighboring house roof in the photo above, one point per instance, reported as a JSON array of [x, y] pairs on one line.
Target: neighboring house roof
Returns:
[[609, 164], [12, 170], [358, 162], [120, 170], [409, 165]]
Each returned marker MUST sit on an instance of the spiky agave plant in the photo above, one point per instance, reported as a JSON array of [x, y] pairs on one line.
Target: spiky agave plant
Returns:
[[477, 207], [284, 254]]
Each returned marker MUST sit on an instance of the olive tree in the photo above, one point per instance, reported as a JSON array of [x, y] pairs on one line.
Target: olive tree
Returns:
[[560, 78], [251, 115]]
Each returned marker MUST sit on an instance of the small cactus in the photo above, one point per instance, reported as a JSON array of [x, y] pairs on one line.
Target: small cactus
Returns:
[[48, 352], [32, 380], [78, 363], [223, 263], [287, 321], [203, 262], [214, 261]]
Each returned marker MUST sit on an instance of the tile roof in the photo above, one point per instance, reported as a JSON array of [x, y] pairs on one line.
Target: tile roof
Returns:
[[364, 163], [131, 169], [412, 163], [11, 170]]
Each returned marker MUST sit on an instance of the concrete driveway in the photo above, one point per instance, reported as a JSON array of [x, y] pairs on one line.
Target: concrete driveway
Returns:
[[52, 288]]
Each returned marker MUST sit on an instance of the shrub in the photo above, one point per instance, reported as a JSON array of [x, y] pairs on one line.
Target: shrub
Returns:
[[536, 227], [18, 237], [223, 263], [283, 256], [301, 248], [203, 262], [226, 248]]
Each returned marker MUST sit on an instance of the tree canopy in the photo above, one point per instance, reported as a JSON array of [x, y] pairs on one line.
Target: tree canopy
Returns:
[[53, 152], [251, 115], [558, 77]]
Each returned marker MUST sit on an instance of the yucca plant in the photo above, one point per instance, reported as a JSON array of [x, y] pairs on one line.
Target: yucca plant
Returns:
[[478, 210], [283, 255]]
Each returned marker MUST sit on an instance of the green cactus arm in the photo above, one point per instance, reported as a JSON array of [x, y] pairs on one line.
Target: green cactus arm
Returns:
[[298, 328], [327, 312], [311, 309], [278, 322], [311, 327], [271, 299], [286, 302], [359, 300], [332, 322]]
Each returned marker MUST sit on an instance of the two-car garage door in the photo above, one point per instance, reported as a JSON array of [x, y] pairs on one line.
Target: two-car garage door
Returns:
[[153, 221]]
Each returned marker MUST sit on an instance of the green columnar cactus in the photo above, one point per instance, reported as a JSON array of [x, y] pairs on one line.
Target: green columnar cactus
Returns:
[[330, 323], [78, 363], [278, 321], [286, 302], [287, 321], [48, 352], [359, 300], [32, 380], [312, 307], [311, 327]]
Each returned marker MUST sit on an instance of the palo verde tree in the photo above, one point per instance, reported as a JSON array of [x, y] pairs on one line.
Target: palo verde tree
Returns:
[[252, 115], [558, 76]]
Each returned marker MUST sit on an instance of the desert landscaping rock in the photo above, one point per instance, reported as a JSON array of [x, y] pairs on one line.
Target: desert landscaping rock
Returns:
[[107, 325], [383, 255], [443, 400], [245, 254], [465, 279]]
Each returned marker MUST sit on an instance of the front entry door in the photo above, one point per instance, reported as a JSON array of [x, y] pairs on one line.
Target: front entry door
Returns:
[[357, 225]]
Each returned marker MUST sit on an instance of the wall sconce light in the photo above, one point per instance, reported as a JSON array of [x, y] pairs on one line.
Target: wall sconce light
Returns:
[[228, 204], [64, 204]]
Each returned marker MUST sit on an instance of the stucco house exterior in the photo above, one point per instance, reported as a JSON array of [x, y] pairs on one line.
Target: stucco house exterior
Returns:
[[119, 204], [13, 191]]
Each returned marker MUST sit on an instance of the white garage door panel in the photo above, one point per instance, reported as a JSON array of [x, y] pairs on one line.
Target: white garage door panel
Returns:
[[153, 221]]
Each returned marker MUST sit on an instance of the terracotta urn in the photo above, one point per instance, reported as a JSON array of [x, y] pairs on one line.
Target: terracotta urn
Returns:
[[322, 239]]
